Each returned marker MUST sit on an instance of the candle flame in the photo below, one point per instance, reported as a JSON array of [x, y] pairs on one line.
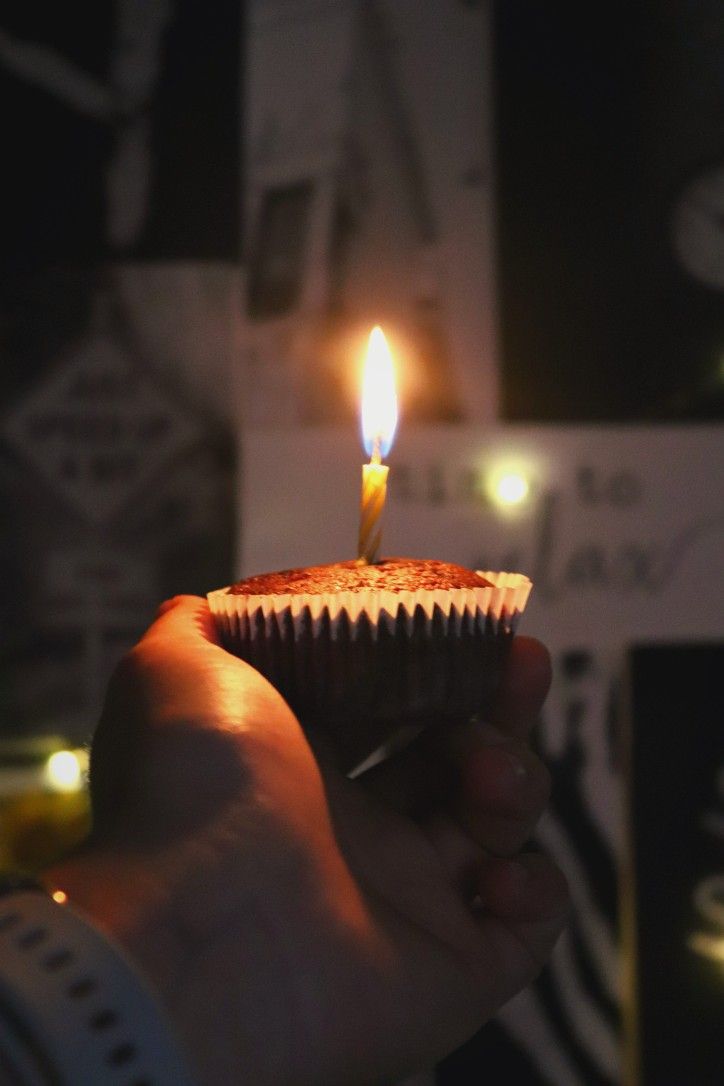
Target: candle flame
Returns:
[[379, 398]]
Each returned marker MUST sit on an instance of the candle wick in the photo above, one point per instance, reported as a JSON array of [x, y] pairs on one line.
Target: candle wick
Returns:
[[376, 457]]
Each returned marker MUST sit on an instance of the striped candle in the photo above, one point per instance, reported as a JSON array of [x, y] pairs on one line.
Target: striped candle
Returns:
[[374, 492]]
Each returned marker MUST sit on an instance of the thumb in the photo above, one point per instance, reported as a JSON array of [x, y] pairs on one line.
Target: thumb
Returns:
[[185, 729]]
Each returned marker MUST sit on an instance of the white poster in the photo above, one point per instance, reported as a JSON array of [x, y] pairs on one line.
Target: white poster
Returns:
[[621, 529]]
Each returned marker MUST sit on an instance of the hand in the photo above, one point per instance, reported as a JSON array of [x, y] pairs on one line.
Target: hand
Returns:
[[300, 927]]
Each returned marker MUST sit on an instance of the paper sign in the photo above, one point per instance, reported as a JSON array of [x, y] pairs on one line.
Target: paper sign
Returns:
[[621, 530], [98, 429]]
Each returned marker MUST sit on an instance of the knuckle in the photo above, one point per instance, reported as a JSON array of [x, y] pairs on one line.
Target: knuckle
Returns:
[[168, 605], [126, 671], [132, 670]]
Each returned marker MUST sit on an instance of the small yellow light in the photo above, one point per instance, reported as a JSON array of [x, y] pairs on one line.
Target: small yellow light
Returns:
[[60, 896], [512, 488], [710, 946], [64, 772]]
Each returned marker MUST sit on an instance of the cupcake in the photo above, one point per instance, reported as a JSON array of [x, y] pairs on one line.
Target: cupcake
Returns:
[[359, 651]]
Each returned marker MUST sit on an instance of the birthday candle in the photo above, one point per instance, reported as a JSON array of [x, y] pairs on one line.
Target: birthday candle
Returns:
[[379, 421]]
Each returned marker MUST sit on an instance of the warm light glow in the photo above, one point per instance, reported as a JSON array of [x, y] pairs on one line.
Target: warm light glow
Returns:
[[60, 896], [512, 488], [64, 772], [379, 398], [710, 946]]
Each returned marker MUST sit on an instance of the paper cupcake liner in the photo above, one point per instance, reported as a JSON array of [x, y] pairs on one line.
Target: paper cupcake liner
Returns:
[[357, 662], [242, 616]]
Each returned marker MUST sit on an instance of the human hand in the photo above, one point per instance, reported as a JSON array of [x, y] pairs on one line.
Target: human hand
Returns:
[[301, 927]]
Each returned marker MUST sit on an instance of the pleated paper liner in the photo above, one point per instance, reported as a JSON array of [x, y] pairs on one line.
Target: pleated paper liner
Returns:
[[357, 665]]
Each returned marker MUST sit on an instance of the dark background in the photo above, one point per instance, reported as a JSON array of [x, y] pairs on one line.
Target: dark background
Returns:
[[604, 112], [56, 286], [677, 759], [55, 158], [53, 238]]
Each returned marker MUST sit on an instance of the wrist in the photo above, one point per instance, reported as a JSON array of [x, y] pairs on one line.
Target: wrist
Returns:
[[72, 1000], [124, 898]]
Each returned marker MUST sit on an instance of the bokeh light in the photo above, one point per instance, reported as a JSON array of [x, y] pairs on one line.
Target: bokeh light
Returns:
[[64, 772]]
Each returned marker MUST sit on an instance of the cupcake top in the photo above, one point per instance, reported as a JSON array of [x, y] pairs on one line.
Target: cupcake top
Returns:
[[394, 591], [389, 575]]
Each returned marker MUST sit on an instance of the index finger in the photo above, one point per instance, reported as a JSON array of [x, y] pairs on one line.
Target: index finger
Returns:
[[525, 684]]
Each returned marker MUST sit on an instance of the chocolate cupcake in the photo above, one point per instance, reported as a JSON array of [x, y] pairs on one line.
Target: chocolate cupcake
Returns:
[[362, 650]]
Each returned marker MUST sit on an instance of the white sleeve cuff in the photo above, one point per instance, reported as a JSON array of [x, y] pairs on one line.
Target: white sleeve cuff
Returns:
[[77, 1007]]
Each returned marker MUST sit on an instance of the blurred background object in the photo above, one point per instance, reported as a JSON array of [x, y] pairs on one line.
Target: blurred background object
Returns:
[[675, 794], [120, 268], [43, 800], [369, 200]]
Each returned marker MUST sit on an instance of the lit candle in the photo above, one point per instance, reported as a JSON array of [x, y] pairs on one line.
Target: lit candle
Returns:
[[379, 421]]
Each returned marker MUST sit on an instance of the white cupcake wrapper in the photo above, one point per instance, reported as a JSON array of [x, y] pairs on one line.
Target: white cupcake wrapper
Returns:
[[496, 608]]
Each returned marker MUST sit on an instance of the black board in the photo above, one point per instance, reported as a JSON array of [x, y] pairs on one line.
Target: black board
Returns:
[[676, 892]]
